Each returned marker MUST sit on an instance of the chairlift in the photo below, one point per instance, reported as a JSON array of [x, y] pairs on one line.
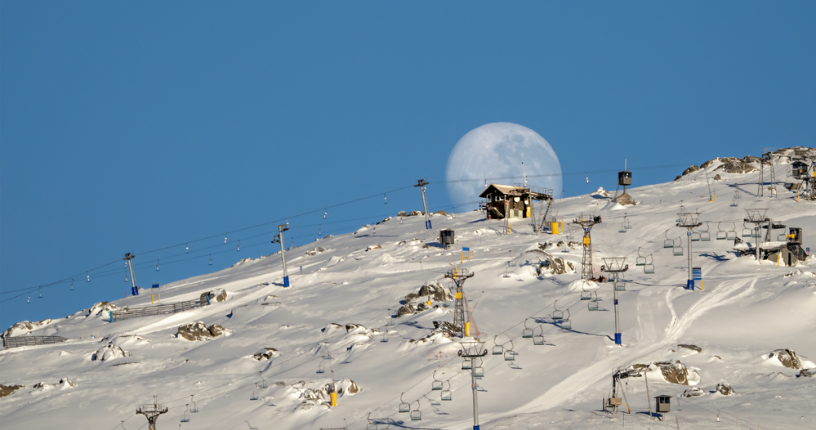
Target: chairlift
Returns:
[[620, 285], [254, 393], [28, 300], [736, 194], [40, 293], [126, 278], [436, 384], [566, 324], [185, 418], [695, 237], [88, 276], [649, 267], [210, 255], [497, 349], [639, 261], [734, 202], [746, 231], [385, 199], [705, 235], [446, 395], [186, 248], [261, 384], [593, 304], [721, 234], [404, 407], [326, 212], [677, 251], [755, 233], [586, 295], [587, 177], [239, 246], [415, 414], [626, 224], [193, 409], [557, 315], [668, 243], [539, 338], [467, 364], [478, 372], [321, 368], [72, 285], [509, 354], [157, 265], [384, 338], [527, 332]]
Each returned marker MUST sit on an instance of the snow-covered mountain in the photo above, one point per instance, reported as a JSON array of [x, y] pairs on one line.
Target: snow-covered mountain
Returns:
[[740, 347]]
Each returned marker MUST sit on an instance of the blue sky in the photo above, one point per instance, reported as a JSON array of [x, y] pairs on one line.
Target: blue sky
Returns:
[[134, 126]]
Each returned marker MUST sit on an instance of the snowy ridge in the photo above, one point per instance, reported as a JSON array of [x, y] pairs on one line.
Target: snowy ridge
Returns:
[[346, 287]]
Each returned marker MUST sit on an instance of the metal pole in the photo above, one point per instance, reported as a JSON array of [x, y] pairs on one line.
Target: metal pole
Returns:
[[128, 257], [475, 398], [756, 234], [617, 321], [421, 184], [690, 283], [281, 229]]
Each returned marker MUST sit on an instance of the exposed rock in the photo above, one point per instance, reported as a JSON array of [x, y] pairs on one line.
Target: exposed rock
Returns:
[[436, 291], [718, 177], [25, 327], [693, 392], [787, 357], [406, 310], [440, 213], [709, 163], [691, 347], [101, 307], [736, 165], [331, 327], [625, 199], [693, 168], [445, 326], [265, 354], [220, 295], [315, 251], [402, 213], [108, 352], [677, 178], [373, 247], [554, 265], [677, 373], [352, 326], [725, 389], [422, 306], [805, 373], [199, 331], [416, 213], [413, 242], [6, 390], [600, 192]]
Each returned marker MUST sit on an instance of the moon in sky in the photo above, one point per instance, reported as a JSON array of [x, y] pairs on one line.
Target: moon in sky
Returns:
[[494, 153]]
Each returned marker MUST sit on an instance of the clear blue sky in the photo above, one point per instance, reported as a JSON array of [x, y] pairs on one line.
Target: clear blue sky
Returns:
[[132, 126]]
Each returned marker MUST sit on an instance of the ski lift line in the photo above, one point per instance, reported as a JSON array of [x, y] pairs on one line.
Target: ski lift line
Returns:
[[581, 173]]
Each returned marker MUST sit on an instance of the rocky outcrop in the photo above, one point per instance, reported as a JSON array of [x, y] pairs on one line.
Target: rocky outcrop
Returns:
[[440, 213], [6, 390], [265, 354], [694, 348], [678, 373], [402, 213], [691, 169], [807, 373], [736, 165], [625, 200], [693, 392], [373, 247], [408, 309], [199, 331], [436, 291], [101, 307], [108, 352], [787, 357], [725, 389], [314, 251], [416, 213], [25, 327]]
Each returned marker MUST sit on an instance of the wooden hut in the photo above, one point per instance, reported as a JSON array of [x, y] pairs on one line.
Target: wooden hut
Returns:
[[511, 201]]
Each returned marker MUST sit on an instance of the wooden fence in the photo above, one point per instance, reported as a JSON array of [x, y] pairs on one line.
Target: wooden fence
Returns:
[[146, 311], [16, 341]]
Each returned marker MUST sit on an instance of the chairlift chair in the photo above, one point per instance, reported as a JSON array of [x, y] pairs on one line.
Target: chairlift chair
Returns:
[[466, 364], [404, 407], [678, 248], [478, 371], [626, 224], [620, 285], [415, 414], [193, 409], [539, 338], [649, 269], [746, 231], [622, 229], [721, 234], [566, 324], [705, 235], [509, 354], [527, 332], [497, 349], [254, 392], [586, 295], [695, 237], [557, 315], [321, 368], [436, 384], [593, 304], [185, 417], [446, 395], [668, 243], [640, 260], [734, 203]]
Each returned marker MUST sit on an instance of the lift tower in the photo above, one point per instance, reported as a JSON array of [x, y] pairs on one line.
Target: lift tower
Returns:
[[616, 266], [472, 351], [756, 217], [129, 256], [279, 239], [152, 412], [459, 276], [421, 184], [586, 260], [689, 220]]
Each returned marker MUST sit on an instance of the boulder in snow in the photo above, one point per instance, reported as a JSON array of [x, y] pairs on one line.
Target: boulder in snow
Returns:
[[101, 307], [694, 348], [25, 327], [265, 354], [406, 310], [314, 251], [693, 392], [805, 373], [678, 373], [108, 352], [6, 390], [600, 193], [199, 331], [787, 357], [725, 389], [416, 213]]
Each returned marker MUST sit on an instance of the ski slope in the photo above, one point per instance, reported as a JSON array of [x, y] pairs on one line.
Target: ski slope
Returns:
[[747, 310]]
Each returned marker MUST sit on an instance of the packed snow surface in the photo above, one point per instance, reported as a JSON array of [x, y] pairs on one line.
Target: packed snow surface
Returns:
[[277, 341]]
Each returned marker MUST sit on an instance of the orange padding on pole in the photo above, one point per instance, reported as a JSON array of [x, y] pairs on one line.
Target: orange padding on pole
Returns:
[[473, 328]]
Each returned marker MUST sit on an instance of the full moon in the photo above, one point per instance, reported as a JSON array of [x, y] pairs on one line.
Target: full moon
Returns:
[[493, 153]]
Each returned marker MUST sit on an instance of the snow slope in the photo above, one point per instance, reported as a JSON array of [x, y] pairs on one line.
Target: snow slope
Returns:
[[747, 310]]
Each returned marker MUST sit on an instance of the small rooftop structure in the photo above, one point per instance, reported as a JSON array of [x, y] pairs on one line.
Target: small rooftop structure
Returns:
[[512, 201], [663, 403]]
